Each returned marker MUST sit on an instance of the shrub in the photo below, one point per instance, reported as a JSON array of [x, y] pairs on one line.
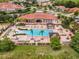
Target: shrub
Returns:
[[55, 43]]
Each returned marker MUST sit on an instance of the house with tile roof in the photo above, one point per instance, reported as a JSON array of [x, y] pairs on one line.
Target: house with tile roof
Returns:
[[72, 10], [5, 6], [41, 18]]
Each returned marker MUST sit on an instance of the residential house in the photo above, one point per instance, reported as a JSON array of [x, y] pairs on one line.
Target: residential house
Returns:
[[9, 7]]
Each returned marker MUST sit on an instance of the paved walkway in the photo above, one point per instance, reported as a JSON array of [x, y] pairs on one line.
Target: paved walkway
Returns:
[[65, 34], [5, 32]]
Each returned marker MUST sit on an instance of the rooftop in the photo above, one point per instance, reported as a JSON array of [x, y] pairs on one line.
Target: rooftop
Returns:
[[72, 9], [8, 6], [39, 15]]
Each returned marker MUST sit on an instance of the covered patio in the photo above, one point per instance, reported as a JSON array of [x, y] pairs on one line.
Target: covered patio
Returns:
[[40, 18]]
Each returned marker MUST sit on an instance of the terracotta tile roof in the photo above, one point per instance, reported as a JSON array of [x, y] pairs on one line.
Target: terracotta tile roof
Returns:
[[39, 15], [8, 6], [72, 9]]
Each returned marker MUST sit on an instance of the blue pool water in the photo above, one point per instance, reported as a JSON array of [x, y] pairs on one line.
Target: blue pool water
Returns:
[[34, 32]]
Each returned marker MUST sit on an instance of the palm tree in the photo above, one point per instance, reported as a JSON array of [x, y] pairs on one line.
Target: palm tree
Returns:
[[42, 31], [31, 32]]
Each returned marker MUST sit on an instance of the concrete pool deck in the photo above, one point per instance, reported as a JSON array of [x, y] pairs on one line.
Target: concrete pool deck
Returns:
[[63, 33]]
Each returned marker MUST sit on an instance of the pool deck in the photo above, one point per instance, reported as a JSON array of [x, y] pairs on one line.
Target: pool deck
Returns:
[[63, 33]]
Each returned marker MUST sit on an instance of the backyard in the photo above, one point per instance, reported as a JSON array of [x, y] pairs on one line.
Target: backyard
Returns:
[[40, 52], [36, 32]]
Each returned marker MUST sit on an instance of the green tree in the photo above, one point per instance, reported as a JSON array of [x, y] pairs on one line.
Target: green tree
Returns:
[[49, 6], [6, 45], [6, 18], [66, 22], [55, 43], [74, 27], [34, 10], [76, 13], [70, 4], [75, 42]]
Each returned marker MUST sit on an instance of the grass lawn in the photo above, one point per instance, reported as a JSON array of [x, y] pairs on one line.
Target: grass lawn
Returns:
[[4, 0], [40, 52], [67, 0]]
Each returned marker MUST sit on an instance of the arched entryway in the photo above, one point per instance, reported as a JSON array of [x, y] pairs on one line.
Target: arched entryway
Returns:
[[27, 20], [39, 20]]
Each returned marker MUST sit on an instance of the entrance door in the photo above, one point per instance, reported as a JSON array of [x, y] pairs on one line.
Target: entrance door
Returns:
[[38, 20]]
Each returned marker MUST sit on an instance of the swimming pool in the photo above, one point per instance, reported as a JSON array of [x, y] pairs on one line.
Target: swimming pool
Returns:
[[34, 32]]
